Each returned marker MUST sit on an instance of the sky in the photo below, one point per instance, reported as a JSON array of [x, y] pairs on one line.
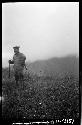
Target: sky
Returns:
[[42, 29]]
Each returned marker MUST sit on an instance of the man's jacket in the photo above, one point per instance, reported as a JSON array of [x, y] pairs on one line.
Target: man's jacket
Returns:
[[19, 61]]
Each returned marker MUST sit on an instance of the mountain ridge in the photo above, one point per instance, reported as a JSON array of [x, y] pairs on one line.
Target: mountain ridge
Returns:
[[56, 66]]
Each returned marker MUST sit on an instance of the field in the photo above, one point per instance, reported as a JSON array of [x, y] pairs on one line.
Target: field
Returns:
[[40, 97]]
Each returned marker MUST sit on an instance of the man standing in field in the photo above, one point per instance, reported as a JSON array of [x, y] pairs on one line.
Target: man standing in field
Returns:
[[19, 64]]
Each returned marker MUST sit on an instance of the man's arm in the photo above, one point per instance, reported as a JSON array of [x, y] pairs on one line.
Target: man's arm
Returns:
[[24, 62], [25, 67]]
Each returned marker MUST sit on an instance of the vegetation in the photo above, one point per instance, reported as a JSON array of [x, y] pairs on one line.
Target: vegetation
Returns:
[[42, 97]]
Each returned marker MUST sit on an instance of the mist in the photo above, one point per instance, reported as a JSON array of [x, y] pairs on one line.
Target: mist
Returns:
[[42, 29]]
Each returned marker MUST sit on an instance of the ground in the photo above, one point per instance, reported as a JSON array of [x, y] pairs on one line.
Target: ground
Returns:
[[40, 97]]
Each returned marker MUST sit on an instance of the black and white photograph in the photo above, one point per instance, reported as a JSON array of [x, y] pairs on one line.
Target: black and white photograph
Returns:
[[40, 62]]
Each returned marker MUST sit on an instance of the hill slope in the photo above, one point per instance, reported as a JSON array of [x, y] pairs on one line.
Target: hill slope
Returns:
[[56, 66]]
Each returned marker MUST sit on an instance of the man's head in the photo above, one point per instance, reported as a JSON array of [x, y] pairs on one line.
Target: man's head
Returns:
[[16, 49]]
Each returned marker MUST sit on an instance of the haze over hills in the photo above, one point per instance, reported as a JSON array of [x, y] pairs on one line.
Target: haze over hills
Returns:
[[54, 66]]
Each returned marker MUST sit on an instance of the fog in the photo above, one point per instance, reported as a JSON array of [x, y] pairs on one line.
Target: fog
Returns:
[[42, 29]]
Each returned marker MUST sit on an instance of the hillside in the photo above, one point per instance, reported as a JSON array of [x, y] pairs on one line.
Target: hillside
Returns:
[[56, 66]]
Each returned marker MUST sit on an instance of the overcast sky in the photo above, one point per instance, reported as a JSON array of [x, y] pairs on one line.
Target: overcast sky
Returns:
[[42, 30]]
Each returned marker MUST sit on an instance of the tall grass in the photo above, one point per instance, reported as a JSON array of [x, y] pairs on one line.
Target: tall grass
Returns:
[[40, 97]]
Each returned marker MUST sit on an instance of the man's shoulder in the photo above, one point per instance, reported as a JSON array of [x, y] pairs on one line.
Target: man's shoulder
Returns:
[[22, 55]]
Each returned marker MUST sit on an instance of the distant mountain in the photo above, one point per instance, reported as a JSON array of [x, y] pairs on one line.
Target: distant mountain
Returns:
[[53, 66], [56, 66]]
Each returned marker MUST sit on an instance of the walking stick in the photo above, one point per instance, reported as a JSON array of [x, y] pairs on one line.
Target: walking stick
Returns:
[[9, 70]]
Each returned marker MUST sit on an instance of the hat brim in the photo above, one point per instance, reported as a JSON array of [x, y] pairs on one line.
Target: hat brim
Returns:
[[16, 47]]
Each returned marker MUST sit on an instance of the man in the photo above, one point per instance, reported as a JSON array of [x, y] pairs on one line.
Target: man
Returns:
[[19, 64]]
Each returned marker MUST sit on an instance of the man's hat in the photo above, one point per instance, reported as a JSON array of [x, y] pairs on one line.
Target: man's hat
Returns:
[[16, 47]]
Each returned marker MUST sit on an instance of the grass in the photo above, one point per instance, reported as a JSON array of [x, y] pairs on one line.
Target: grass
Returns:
[[40, 97]]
